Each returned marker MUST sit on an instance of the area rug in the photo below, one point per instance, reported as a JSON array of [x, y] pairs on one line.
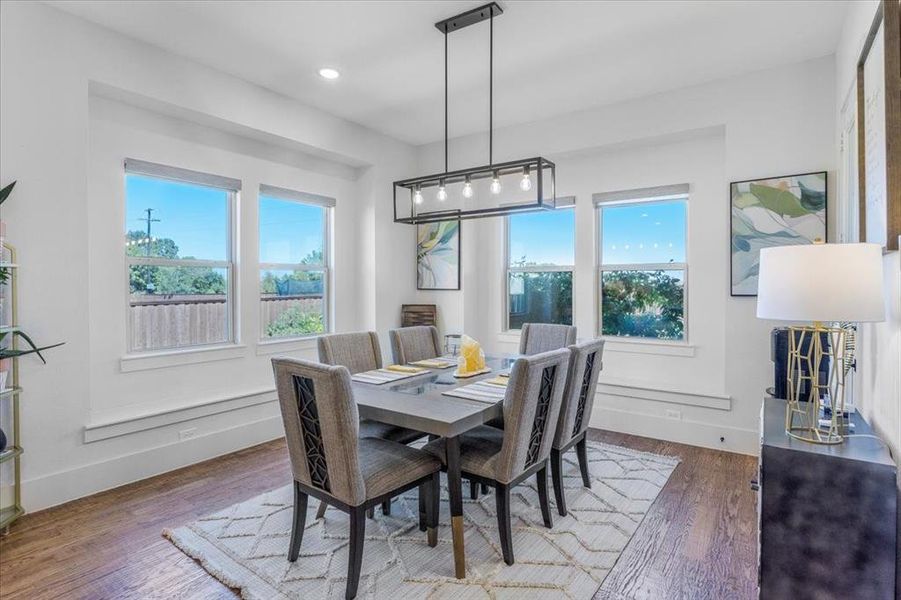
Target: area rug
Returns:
[[245, 545]]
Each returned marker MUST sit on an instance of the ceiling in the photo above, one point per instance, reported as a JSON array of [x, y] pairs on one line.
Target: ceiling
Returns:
[[550, 57]]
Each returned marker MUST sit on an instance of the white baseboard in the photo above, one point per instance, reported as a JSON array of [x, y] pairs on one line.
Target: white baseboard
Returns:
[[57, 488], [693, 433]]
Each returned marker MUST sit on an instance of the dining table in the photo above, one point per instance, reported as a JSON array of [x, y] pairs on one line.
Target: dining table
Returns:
[[419, 403]]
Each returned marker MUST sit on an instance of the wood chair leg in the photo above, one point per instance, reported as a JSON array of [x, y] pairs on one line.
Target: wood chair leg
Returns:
[[433, 499], [557, 476], [542, 496], [582, 454], [484, 488], [386, 507], [320, 512], [355, 554], [502, 499], [473, 490], [297, 526], [370, 512], [422, 510]]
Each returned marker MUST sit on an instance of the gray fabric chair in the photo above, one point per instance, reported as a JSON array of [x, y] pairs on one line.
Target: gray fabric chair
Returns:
[[544, 337], [329, 460], [505, 458], [585, 363], [361, 351], [410, 344]]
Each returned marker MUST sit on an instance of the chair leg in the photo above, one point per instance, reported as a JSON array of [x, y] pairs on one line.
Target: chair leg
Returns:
[[542, 496], [557, 476], [355, 554], [422, 510], [297, 526], [320, 512], [433, 499], [370, 512], [386, 507], [473, 490], [484, 488], [582, 454], [502, 498]]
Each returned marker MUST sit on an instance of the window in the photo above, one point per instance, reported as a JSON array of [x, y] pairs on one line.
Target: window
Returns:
[[643, 272], [540, 258], [294, 263], [178, 248]]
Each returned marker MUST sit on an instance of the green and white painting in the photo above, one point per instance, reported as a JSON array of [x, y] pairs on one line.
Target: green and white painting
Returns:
[[779, 211], [438, 256]]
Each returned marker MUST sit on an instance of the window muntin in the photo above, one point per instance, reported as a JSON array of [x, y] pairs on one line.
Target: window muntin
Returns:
[[643, 272], [179, 261], [294, 266], [540, 256]]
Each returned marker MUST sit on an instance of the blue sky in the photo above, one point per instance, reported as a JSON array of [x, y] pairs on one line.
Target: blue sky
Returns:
[[196, 219], [642, 233], [544, 238]]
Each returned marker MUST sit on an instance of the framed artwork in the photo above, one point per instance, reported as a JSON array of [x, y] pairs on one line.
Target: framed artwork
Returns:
[[438, 256], [777, 211]]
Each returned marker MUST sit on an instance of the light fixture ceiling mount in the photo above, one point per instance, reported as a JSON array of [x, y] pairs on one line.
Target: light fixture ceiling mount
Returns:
[[458, 195]]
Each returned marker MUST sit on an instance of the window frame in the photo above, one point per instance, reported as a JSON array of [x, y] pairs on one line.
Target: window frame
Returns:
[[327, 205], [600, 267], [232, 188], [563, 203]]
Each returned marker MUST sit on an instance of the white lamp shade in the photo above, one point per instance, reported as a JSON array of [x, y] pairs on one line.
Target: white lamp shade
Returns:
[[821, 282]]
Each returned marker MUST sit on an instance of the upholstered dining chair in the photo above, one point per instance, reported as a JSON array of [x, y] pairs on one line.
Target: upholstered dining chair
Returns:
[[505, 458], [361, 351], [329, 460], [536, 338], [410, 344], [585, 363]]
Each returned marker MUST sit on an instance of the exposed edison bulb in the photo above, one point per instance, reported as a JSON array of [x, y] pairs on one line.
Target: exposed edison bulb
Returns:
[[442, 193], [467, 188], [495, 184], [417, 196], [525, 183]]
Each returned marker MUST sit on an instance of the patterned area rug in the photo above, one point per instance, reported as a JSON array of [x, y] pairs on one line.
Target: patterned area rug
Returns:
[[245, 545]]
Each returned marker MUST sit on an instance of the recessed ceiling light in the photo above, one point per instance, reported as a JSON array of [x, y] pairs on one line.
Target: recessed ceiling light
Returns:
[[329, 73]]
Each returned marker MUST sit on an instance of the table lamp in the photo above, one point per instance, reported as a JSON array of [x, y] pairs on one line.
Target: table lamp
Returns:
[[822, 284]]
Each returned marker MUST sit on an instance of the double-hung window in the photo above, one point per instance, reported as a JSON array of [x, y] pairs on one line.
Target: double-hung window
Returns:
[[642, 269], [294, 263], [539, 275], [179, 256]]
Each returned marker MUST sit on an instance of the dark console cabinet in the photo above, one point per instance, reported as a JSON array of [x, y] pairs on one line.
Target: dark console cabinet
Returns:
[[827, 515]]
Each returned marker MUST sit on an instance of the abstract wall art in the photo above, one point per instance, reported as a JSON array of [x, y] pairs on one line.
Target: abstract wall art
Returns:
[[438, 256], [777, 211]]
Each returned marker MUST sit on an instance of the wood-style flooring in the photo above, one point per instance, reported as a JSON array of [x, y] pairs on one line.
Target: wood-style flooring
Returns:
[[697, 542]]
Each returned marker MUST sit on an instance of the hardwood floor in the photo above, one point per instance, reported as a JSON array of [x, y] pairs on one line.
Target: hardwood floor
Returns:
[[697, 542]]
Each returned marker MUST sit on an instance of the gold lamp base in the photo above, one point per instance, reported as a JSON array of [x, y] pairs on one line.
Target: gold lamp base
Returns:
[[808, 347]]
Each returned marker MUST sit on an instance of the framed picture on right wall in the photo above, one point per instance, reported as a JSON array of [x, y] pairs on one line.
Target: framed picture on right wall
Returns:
[[776, 211]]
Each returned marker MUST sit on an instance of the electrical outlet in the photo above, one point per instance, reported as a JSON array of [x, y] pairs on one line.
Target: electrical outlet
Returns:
[[673, 414], [186, 434]]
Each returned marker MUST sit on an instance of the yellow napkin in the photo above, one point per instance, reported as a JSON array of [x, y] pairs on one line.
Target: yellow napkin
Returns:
[[499, 380], [404, 369], [434, 363], [471, 356]]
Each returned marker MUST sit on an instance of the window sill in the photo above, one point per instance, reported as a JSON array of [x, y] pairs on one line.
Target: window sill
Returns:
[[179, 357], [634, 346], [294, 344]]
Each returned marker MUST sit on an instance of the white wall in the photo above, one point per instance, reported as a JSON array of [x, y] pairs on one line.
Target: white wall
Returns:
[[767, 123], [64, 145]]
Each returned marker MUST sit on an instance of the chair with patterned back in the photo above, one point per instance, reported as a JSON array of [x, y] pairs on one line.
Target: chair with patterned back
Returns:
[[505, 458], [329, 460], [409, 344], [585, 364], [536, 338]]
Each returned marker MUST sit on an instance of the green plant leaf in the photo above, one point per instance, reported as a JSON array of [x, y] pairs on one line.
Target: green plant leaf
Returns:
[[10, 353], [6, 191]]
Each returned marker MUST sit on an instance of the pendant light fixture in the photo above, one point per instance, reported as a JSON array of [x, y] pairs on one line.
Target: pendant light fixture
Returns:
[[481, 191]]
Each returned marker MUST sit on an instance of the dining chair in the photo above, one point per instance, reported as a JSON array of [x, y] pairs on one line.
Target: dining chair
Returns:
[[329, 460], [585, 363], [505, 458], [536, 338], [410, 344], [361, 351]]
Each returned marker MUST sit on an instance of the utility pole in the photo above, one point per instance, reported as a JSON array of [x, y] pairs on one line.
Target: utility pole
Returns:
[[149, 218]]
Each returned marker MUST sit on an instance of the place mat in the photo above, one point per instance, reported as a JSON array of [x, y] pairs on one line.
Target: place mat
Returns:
[[380, 376], [480, 391], [435, 363]]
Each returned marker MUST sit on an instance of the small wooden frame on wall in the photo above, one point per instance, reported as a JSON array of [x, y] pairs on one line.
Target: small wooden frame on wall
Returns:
[[879, 128]]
